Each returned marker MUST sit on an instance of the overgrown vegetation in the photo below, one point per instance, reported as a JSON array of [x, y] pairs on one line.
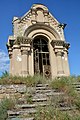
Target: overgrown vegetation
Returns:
[[65, 85], [29, 80], [6, 104], [49, 113]]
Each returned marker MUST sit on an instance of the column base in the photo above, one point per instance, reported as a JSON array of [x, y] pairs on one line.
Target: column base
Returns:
[[60, 73], [24, 73]]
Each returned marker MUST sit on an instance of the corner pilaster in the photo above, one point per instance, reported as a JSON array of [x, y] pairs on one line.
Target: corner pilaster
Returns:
[[25, 48], [60, 70]]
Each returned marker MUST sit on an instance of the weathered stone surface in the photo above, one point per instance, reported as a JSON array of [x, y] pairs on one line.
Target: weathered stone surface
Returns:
[[41, 25]]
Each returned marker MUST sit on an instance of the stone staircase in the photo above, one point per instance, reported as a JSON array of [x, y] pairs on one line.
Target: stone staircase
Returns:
[[40, 95]]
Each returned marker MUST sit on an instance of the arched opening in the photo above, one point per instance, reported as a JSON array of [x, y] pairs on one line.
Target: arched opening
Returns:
[[41, 56]]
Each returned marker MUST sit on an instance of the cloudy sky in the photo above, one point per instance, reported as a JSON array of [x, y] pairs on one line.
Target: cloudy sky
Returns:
[[4, 61], [65, 11]]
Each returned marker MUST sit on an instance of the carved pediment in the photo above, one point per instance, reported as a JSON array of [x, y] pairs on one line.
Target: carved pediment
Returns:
[[39, 13], [36, 15]]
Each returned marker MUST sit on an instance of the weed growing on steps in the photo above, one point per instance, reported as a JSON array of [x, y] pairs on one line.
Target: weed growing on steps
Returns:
[[29, 80], [63, 84], [51, 113], [6, 104], [29, 99]]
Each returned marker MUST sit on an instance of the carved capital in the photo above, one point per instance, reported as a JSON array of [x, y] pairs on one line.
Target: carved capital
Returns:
[[59, 44], [22, 40]]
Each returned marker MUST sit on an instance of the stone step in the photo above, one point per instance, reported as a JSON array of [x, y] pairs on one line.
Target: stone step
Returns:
[[42, 88], [76, 83], [39, 99], [52, 93], [66, 108], [25, 106], [20, 118], [78, 88], [28, 106], [13, 114], [43, 91], [42, 85], [39, 96]]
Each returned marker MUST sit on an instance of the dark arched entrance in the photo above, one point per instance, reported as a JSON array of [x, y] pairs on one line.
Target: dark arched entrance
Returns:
[[41, 56]]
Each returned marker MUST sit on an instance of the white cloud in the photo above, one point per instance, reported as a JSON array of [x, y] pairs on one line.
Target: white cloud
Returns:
[[4, 61]]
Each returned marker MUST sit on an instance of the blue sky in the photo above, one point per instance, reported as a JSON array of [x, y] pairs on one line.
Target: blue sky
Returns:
[[65, 11]]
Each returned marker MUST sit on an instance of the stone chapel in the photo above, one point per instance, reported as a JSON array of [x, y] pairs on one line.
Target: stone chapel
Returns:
[[38, 45]]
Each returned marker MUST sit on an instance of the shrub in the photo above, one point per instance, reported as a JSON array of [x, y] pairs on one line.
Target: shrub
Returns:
[[60, 84], [77, 101], [6, 104], [3, 113], [78, 78]]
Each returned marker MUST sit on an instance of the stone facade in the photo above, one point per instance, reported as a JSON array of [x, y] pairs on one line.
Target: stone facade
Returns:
[[38, 44]]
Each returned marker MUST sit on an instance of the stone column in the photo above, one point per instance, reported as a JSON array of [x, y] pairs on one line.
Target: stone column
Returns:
[[66, 64], [10, 57], [16, 63], [25, 62], [60, 70]]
